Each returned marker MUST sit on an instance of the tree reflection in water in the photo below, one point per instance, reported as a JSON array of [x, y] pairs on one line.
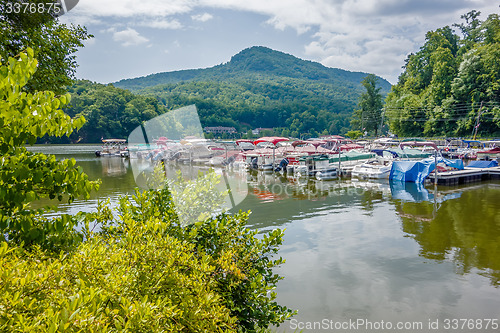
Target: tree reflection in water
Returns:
[[465, 230]]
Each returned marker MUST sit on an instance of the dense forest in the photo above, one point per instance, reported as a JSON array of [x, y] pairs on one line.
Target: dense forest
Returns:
[[110, 112], [451, 86], [259, 87]]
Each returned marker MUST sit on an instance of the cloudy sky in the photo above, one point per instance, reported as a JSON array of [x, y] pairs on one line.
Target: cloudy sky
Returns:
[[136, 38]]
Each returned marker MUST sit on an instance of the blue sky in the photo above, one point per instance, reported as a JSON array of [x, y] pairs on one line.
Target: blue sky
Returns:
[[136, 38]]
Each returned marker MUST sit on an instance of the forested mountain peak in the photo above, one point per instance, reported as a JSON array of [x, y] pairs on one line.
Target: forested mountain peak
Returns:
[[254, 60], [258, 88]]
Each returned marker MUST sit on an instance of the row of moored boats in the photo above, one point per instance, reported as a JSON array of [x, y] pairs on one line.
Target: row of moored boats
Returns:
[[324, 158]]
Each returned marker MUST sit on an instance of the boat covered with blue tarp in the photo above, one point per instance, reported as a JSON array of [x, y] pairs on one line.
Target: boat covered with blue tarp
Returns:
[[417, 171], [482, 164]]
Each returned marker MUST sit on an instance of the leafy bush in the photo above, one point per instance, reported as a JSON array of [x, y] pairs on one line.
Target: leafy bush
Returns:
[[144, 272], [150, 284], [243, 263]]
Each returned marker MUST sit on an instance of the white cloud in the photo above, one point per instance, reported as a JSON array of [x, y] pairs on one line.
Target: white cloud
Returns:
[[129, 37], [202, 17], [162, 24], [134, 8]]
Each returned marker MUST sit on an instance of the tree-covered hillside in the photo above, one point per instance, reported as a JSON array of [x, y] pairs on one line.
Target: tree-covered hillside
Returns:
[[255, 63], [451, 86], [109, 112]]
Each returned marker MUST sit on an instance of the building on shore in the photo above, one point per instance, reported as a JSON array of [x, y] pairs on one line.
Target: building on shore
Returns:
[[220, 130]]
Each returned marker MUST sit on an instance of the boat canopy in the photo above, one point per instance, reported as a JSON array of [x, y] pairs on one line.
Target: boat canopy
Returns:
[[380, 152], [114, 140], [271, 139], [244, 141], [350, 146], [352, 156], [315, 143], [417, 171], [482, 164], [495, 150], [411, 153], [472, 142], [321, 157], [419, 144]]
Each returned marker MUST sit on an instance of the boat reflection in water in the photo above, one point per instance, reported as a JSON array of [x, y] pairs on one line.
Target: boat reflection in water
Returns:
[[112, 167]]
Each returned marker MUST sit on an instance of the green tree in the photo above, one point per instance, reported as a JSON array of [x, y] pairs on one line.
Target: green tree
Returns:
[[369, 115], [25, 176], [445, 84], [54, 44], [354, 134]]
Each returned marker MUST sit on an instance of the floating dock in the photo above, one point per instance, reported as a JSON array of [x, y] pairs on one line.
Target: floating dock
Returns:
[[468, 175]]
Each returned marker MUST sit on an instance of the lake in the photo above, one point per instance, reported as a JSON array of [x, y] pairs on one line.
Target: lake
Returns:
[[362, 255]]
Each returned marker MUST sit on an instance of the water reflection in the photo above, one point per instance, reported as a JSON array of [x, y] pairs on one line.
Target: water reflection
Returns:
[[465, 230]]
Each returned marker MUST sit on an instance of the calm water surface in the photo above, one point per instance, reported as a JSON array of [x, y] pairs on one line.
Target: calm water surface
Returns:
[[362, 251]]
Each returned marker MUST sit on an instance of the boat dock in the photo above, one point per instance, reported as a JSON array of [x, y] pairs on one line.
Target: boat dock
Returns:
[[468, 175]]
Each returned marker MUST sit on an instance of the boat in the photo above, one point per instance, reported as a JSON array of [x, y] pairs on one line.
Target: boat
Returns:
[[483, 164], [310, 165], [489, 154], [417, 171], [113, 147], [378, 168], [265, 158]]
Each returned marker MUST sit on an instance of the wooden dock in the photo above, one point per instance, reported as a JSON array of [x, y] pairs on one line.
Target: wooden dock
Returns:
[[468, 175]]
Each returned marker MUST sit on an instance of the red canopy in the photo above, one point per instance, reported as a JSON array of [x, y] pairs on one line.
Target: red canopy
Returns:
[[315, 143], [243, 140], [495, 150], [350, 146], [271, 139]]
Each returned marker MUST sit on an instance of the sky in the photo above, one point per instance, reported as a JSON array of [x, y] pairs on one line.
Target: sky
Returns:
[[136, 38]]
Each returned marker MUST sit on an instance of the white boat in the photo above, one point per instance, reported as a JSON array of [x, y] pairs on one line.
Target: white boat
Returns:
[[113, 147], [374, 169], [312, 164]]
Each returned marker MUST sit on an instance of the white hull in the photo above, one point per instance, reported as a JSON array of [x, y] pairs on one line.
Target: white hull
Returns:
[[372, 170]]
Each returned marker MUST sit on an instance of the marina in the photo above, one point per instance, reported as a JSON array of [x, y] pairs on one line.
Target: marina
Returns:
[[330, 157]]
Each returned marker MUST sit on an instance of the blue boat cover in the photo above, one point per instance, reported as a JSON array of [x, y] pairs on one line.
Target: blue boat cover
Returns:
[[417, 171], [482, 164], [380, 152]]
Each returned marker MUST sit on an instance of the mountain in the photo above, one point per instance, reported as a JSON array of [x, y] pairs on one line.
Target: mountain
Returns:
[[261, 87], [256, 60]]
